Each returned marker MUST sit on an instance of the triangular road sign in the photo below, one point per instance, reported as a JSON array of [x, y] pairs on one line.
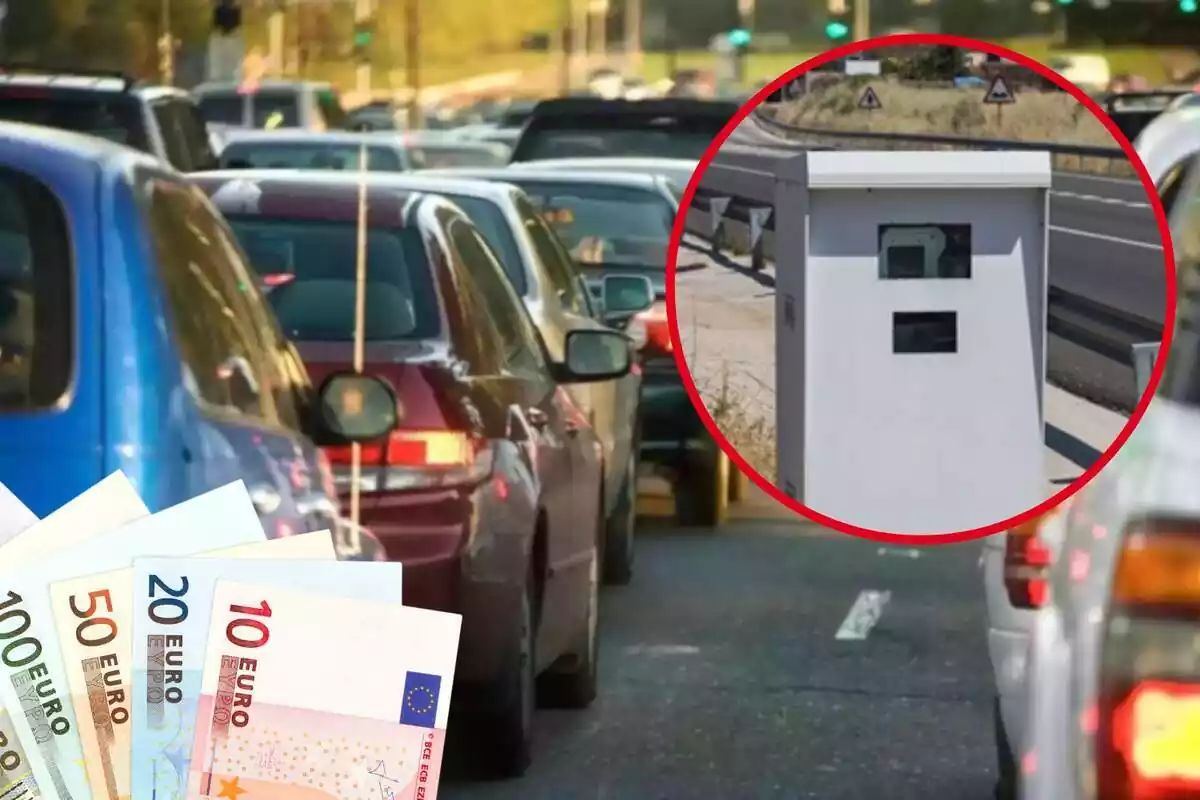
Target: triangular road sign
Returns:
[[998, 92], [869, 100]]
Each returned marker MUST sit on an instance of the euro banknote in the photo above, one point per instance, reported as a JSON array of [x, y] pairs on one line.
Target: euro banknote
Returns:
[[33, 686], [309, 696], [105, 730], [109, 504]]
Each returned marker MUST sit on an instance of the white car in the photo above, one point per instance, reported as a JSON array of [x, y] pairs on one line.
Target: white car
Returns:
[[1113, 700], [1168, 146]]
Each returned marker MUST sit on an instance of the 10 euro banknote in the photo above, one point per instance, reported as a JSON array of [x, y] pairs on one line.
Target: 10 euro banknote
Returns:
[[171, 641], [308, 696]]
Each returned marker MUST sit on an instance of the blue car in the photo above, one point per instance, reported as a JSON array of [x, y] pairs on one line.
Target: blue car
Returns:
[[133, 338]]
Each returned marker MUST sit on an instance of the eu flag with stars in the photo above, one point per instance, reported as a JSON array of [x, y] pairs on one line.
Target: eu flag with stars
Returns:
[[420, 699]]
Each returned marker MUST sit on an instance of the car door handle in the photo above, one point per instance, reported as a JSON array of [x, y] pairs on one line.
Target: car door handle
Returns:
[[537, 418]]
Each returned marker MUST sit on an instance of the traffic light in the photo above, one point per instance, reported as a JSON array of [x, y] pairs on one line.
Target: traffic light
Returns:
[[364, 32], [1065, 2], [739, 38], [1188, 6], [227, 16], [836, 30]]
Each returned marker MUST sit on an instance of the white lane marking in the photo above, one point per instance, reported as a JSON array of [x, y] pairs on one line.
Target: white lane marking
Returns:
[[1106, 238], [865, 612], [1095, 198], [910, 552], [662, 650]]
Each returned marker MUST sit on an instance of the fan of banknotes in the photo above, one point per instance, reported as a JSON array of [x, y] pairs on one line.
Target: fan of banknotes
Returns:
[[182, 655]]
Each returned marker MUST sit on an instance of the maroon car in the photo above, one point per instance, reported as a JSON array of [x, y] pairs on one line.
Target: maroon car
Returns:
[[489, 491]]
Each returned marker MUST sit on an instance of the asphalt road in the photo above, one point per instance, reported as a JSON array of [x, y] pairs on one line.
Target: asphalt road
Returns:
[[721, 677], [1104, 247]]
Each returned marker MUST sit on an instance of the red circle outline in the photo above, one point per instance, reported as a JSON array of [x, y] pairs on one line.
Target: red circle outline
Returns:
[[1042, 508]]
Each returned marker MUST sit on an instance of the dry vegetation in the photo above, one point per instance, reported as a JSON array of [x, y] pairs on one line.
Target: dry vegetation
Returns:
[[1035, 116], [750, 434]]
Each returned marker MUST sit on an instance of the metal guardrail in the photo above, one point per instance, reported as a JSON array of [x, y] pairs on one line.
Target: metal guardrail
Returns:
[[739, 187], [1114, 155]]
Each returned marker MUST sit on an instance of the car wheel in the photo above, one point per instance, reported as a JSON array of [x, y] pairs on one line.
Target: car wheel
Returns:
[[573, 685], [506, 749], [619, 530], [702, 489], [1006, 784]]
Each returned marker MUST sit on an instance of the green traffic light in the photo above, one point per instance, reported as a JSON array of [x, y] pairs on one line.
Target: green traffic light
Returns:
[[837, 30], [362, 38], [739, 37], [1188, 6]]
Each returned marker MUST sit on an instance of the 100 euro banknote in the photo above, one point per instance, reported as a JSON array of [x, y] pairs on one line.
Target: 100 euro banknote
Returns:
[[308, 696], [34, 685], [100, 668], [109, 504]]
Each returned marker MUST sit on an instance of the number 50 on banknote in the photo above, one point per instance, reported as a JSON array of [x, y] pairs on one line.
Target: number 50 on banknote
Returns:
[[313, 697]]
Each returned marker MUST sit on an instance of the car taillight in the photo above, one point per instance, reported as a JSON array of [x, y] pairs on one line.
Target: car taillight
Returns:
[[1148, 704], [411, 459], [657, 330], [1026, 566], [277, 279]]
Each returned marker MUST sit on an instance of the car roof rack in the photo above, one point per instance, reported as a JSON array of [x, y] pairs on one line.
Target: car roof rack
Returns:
[[73, 75]]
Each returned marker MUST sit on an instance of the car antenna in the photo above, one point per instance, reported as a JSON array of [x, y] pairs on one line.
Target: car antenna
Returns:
[[360, 314]]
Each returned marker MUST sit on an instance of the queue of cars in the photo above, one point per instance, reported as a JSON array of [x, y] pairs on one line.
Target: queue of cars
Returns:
[[178, 300]]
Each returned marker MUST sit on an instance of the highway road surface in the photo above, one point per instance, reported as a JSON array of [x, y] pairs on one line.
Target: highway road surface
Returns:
[[774, 659], [1104, 247]]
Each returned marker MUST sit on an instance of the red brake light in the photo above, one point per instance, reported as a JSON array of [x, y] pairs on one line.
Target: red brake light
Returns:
[[1026, 566], [277, 279], [658, 330], [410, 459], [1148, 734]]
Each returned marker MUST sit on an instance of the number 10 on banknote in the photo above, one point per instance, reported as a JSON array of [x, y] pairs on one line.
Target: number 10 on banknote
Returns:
[[313, 697]]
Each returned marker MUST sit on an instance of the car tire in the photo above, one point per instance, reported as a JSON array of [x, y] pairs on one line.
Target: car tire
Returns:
[[619, 529], [1007, 782], [573, 685], [506, 747], [702, 489]]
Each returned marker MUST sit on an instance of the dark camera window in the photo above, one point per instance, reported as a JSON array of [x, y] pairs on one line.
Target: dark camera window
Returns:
[[924, 251], [924, 332]]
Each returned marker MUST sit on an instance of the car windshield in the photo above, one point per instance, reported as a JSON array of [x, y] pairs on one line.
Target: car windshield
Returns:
[[603, 224], [490, 220], [268, 109], [308, 154], [108, 116], [308, 269], [1181, 380], [556, 143]]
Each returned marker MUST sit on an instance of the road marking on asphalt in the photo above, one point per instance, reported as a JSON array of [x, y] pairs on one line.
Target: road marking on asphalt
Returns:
[[865, 612], [1106, 238], [910, 552], [662, 650], [1095, 198]]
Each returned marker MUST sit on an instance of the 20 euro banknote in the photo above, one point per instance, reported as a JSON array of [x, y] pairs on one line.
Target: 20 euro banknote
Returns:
[[313, 696]]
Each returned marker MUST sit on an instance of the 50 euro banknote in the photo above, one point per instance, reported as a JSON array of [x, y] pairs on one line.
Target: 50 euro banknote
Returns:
[[313, 697], [171, 633], [98, 657]]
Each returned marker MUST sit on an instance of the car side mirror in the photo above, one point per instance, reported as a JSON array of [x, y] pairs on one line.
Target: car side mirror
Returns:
[[625, 295], [596, 355], [354, 407]]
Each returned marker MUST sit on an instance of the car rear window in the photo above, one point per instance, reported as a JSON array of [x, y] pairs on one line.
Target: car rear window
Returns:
[[307, 155], [116, 117], [603, 224], [268, 109], [438, 156], [490, 220], [36, 308], [309, 272]]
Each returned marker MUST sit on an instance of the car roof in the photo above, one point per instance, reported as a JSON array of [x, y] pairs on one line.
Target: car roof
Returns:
[[602, 162], [273, 84], [303, 135], [95, 150], [630, 179], [315, 195], [470, 187]]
